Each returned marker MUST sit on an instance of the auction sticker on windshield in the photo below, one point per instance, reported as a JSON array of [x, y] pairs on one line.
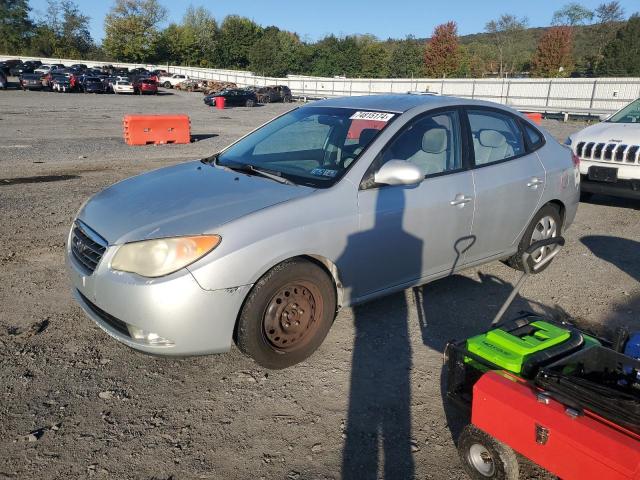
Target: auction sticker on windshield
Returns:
[[377, 116]]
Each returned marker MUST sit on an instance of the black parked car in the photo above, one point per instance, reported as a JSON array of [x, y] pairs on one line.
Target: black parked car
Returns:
[[234, 98], [7, 65], [274, 93], [31, 81], [93, 85], [3, 81], [21, 68]]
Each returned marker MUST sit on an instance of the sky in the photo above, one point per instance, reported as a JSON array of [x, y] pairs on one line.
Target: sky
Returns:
[[313, 20]]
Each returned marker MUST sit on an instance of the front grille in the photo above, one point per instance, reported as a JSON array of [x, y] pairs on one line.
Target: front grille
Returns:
[[609, 152], [87, 246], [113, 322]]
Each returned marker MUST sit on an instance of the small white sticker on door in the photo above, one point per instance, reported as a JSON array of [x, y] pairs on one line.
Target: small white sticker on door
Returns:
[[376, 116]]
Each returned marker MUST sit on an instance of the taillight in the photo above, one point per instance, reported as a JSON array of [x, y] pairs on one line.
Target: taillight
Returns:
[[576, 160]]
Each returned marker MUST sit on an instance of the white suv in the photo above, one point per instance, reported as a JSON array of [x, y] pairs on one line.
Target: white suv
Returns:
[[609, 154], [172, 81]]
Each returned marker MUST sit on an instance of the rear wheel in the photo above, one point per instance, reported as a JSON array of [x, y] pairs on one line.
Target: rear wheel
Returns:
[[546, 224], [266, 99], [287, 314], [250, 103], [166, 84], [484, 457]]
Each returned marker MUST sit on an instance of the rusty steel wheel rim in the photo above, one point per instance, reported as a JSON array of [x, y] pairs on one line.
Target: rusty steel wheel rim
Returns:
[[292, 316]]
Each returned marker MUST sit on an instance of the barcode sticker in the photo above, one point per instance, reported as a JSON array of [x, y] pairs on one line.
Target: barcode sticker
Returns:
[[377, 116]]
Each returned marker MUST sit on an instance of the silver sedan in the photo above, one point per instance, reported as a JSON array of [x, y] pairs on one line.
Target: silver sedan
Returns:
[[331, 204]]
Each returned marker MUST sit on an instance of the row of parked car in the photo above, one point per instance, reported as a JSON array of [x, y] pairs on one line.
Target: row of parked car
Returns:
[[33, 75], [251, 96]]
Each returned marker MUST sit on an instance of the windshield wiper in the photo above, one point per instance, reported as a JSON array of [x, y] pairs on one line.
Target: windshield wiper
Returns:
[[247, 168]]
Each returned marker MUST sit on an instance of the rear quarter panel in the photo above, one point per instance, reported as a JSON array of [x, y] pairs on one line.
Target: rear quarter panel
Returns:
[[562, 178]]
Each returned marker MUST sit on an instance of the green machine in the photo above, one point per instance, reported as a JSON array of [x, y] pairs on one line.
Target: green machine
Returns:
[[523, 345]]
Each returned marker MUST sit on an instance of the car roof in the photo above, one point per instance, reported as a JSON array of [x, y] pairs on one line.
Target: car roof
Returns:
[[399, 102]]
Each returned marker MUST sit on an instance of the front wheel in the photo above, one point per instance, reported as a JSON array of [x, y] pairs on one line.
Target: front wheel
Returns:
[[483, 457], [287, 314], [250, 103], [166, 84], [547, 223]]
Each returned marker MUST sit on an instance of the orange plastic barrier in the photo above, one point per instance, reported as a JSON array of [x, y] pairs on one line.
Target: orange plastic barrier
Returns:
[[220, 101], [535, 117], [156, 129]]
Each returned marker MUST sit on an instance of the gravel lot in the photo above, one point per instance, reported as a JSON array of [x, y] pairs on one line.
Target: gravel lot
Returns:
[[75, 403]]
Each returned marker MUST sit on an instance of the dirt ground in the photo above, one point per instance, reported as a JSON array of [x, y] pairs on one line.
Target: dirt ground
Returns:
[[76, 404]]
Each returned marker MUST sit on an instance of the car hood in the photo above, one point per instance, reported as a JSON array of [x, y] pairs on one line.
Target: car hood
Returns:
[[608, 132], [187, 199]]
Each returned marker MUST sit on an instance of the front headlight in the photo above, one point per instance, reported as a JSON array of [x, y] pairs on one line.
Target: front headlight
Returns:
[[155, 258]]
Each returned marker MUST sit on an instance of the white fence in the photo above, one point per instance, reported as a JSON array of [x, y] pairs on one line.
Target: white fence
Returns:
[[592, 96]]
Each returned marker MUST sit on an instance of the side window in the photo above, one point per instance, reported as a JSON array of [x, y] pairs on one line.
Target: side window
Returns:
[[534, 137], [496, 136], [432, 143]]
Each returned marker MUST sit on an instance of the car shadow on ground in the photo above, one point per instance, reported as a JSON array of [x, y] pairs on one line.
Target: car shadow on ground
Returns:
[[379, 418], [610, 201], [615, 251], [197, 137]]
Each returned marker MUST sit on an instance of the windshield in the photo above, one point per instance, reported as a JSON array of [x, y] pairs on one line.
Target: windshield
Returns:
[[629, 114], [312, 146]]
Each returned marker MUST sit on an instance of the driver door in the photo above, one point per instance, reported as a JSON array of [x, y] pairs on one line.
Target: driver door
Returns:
[[408, 234]]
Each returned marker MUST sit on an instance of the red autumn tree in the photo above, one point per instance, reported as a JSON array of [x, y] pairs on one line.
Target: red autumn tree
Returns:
[[442, 55], [554, 54]]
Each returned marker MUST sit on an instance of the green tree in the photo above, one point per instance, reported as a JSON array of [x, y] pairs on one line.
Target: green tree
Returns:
[[622, 55], [276, 54], [553, 57], [572, 14], [131, 29], [238, 35], [334, 56], [406, 59], [374, 59], [442, 55], [15, 25], [202, 30], [477, 60], [506, 34], [610, 17]]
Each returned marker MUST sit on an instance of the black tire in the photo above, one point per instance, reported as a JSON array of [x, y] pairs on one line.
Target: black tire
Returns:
[[549, 210], [266, 99], [497, 460], [295, 289], [166, 84], [250, 103]]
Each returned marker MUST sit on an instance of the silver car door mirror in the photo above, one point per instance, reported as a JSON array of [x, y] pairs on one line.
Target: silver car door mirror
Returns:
[[604, 117], [398, 172]]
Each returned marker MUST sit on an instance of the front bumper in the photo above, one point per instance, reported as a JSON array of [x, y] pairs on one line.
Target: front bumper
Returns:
[[175, 307], [621, 188]]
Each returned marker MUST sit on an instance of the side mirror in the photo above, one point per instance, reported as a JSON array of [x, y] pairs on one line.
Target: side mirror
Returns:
[[604, 117], [398, 172]]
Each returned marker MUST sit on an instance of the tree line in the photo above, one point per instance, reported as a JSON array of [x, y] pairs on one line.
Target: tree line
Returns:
[[579, 42]]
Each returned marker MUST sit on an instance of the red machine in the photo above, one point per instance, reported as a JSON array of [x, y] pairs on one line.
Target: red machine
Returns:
[[572, 407], [566, 442]]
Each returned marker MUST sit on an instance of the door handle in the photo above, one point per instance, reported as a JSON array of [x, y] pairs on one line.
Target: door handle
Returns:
[[534, 182], [460, 200]]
